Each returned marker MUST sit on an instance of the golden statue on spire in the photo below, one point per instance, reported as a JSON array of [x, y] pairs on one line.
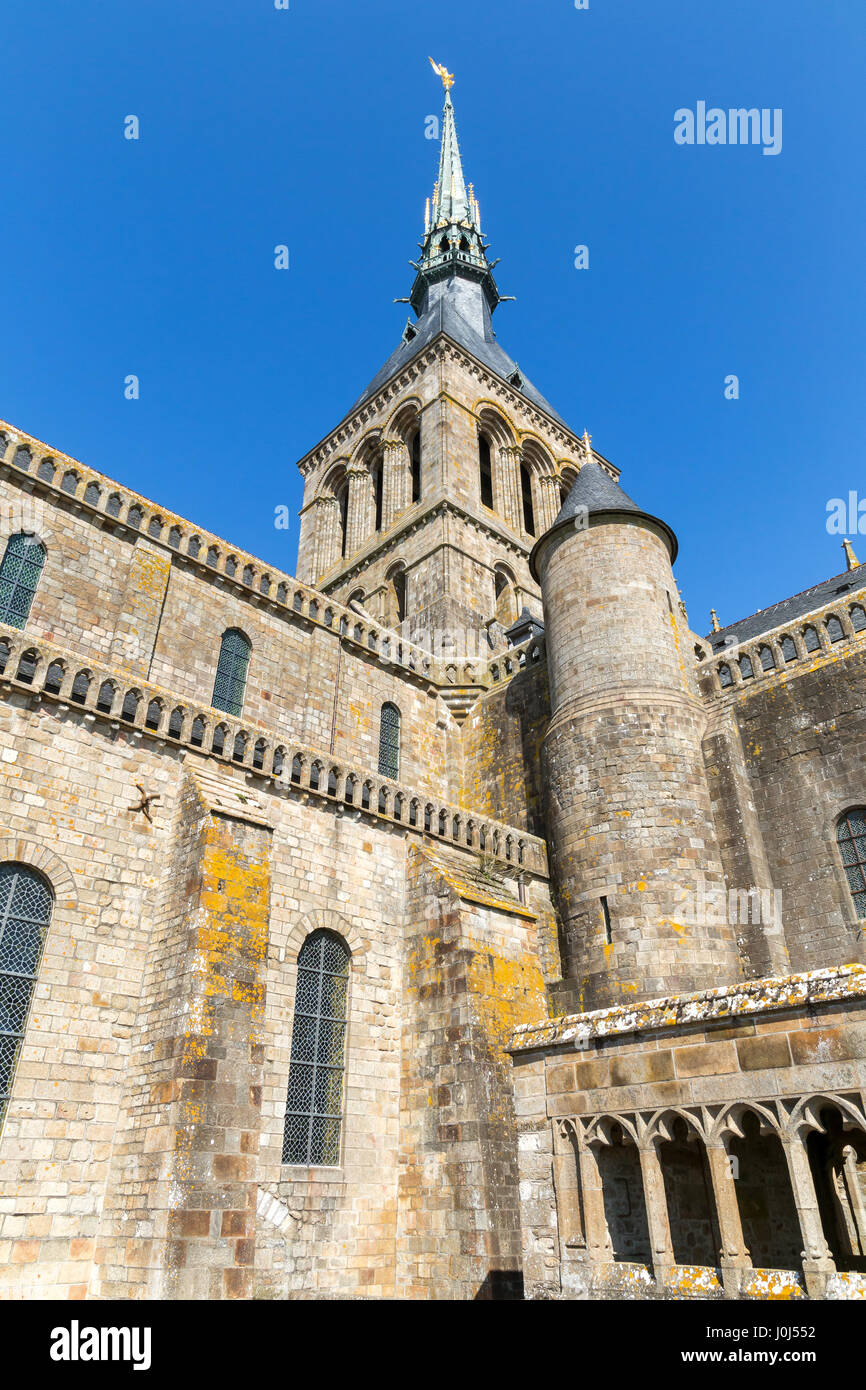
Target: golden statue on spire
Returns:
[[447, 77]]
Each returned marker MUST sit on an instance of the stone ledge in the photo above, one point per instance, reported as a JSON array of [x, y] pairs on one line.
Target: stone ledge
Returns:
[[729, 1001]]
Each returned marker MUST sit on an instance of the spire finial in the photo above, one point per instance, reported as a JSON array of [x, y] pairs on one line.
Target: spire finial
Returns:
[[714, 619], [447, 77], [586, 441], [853, 562]]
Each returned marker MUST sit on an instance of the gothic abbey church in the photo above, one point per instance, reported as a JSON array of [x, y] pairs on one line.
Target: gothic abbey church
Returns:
[[449, 921]]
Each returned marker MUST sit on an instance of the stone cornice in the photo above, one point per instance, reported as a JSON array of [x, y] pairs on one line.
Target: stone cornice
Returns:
[[769, 995], [266, 755]]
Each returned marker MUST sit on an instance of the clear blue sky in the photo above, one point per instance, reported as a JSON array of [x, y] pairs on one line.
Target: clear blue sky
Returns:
[[306, 127]]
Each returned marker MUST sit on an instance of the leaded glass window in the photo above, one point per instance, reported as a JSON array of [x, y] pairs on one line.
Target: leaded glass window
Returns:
[[851, 835], [231, 676], [389, 741], [19, 575], [25, 911], [314, 1107]]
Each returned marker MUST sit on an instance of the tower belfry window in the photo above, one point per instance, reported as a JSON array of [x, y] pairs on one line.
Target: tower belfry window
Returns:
[[526, 494], [485, 471], [377, 491], [416, 466]]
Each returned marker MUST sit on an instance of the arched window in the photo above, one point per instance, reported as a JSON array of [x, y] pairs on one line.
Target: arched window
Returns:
[[485, 471], [746, 670], [389, 741], [314, 1106], [835, 630], [377, 472], [26, 901], [851, 838], [858, 617], [789, 649], [19, 575], [768, 661], [504, 599], [526, 496], [416, 466], [231, 676], [811, 639], [725, 677]]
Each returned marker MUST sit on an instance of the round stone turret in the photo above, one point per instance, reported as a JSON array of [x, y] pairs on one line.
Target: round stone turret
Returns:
[[636, 864]]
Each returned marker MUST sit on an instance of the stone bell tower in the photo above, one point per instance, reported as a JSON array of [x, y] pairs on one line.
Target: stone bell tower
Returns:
[[426, 499], [634, 846]]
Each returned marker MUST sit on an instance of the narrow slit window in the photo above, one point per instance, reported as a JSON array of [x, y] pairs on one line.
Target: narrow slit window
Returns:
[[605, 918]]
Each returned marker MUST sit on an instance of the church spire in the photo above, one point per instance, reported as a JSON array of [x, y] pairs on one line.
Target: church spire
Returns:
[[453, 246]]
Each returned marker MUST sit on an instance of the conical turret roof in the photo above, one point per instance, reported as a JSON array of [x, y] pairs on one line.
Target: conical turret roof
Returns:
[[594, 493]]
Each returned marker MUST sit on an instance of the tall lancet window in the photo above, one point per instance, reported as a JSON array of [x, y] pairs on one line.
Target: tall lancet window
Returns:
[[26, 901], [314, 1107], [378, 495], [485, 471], [389, 741], [231, 676], [526, 494], [851, 838], [416, 466], [20, 569]]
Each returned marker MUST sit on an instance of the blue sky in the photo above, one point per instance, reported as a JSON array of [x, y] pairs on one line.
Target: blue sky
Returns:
[[306, 127]]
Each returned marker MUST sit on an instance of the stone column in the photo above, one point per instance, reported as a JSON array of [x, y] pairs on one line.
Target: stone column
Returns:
[[395, 481], [599, 1250], [328, 538], [507, 485], [818, 1263], [655, 1199], [360, 516], [549, 503], [734, 1257]]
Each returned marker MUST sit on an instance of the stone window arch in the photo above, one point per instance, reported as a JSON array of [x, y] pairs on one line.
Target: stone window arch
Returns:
[[835, 630], [788, 648], [314, 1103], [858, 617], [851, 839], [485, 471], [26, 905], [415, 464], [527, 504], [389, 741], [768, 661], [231, 674], [725, 677], [395, 595], [504, 595], [811, 640], [20, 571], [746, 669]]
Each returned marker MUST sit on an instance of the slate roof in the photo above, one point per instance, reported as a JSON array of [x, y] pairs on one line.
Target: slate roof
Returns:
[[788, 609], [595, 490], [445, 316]]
